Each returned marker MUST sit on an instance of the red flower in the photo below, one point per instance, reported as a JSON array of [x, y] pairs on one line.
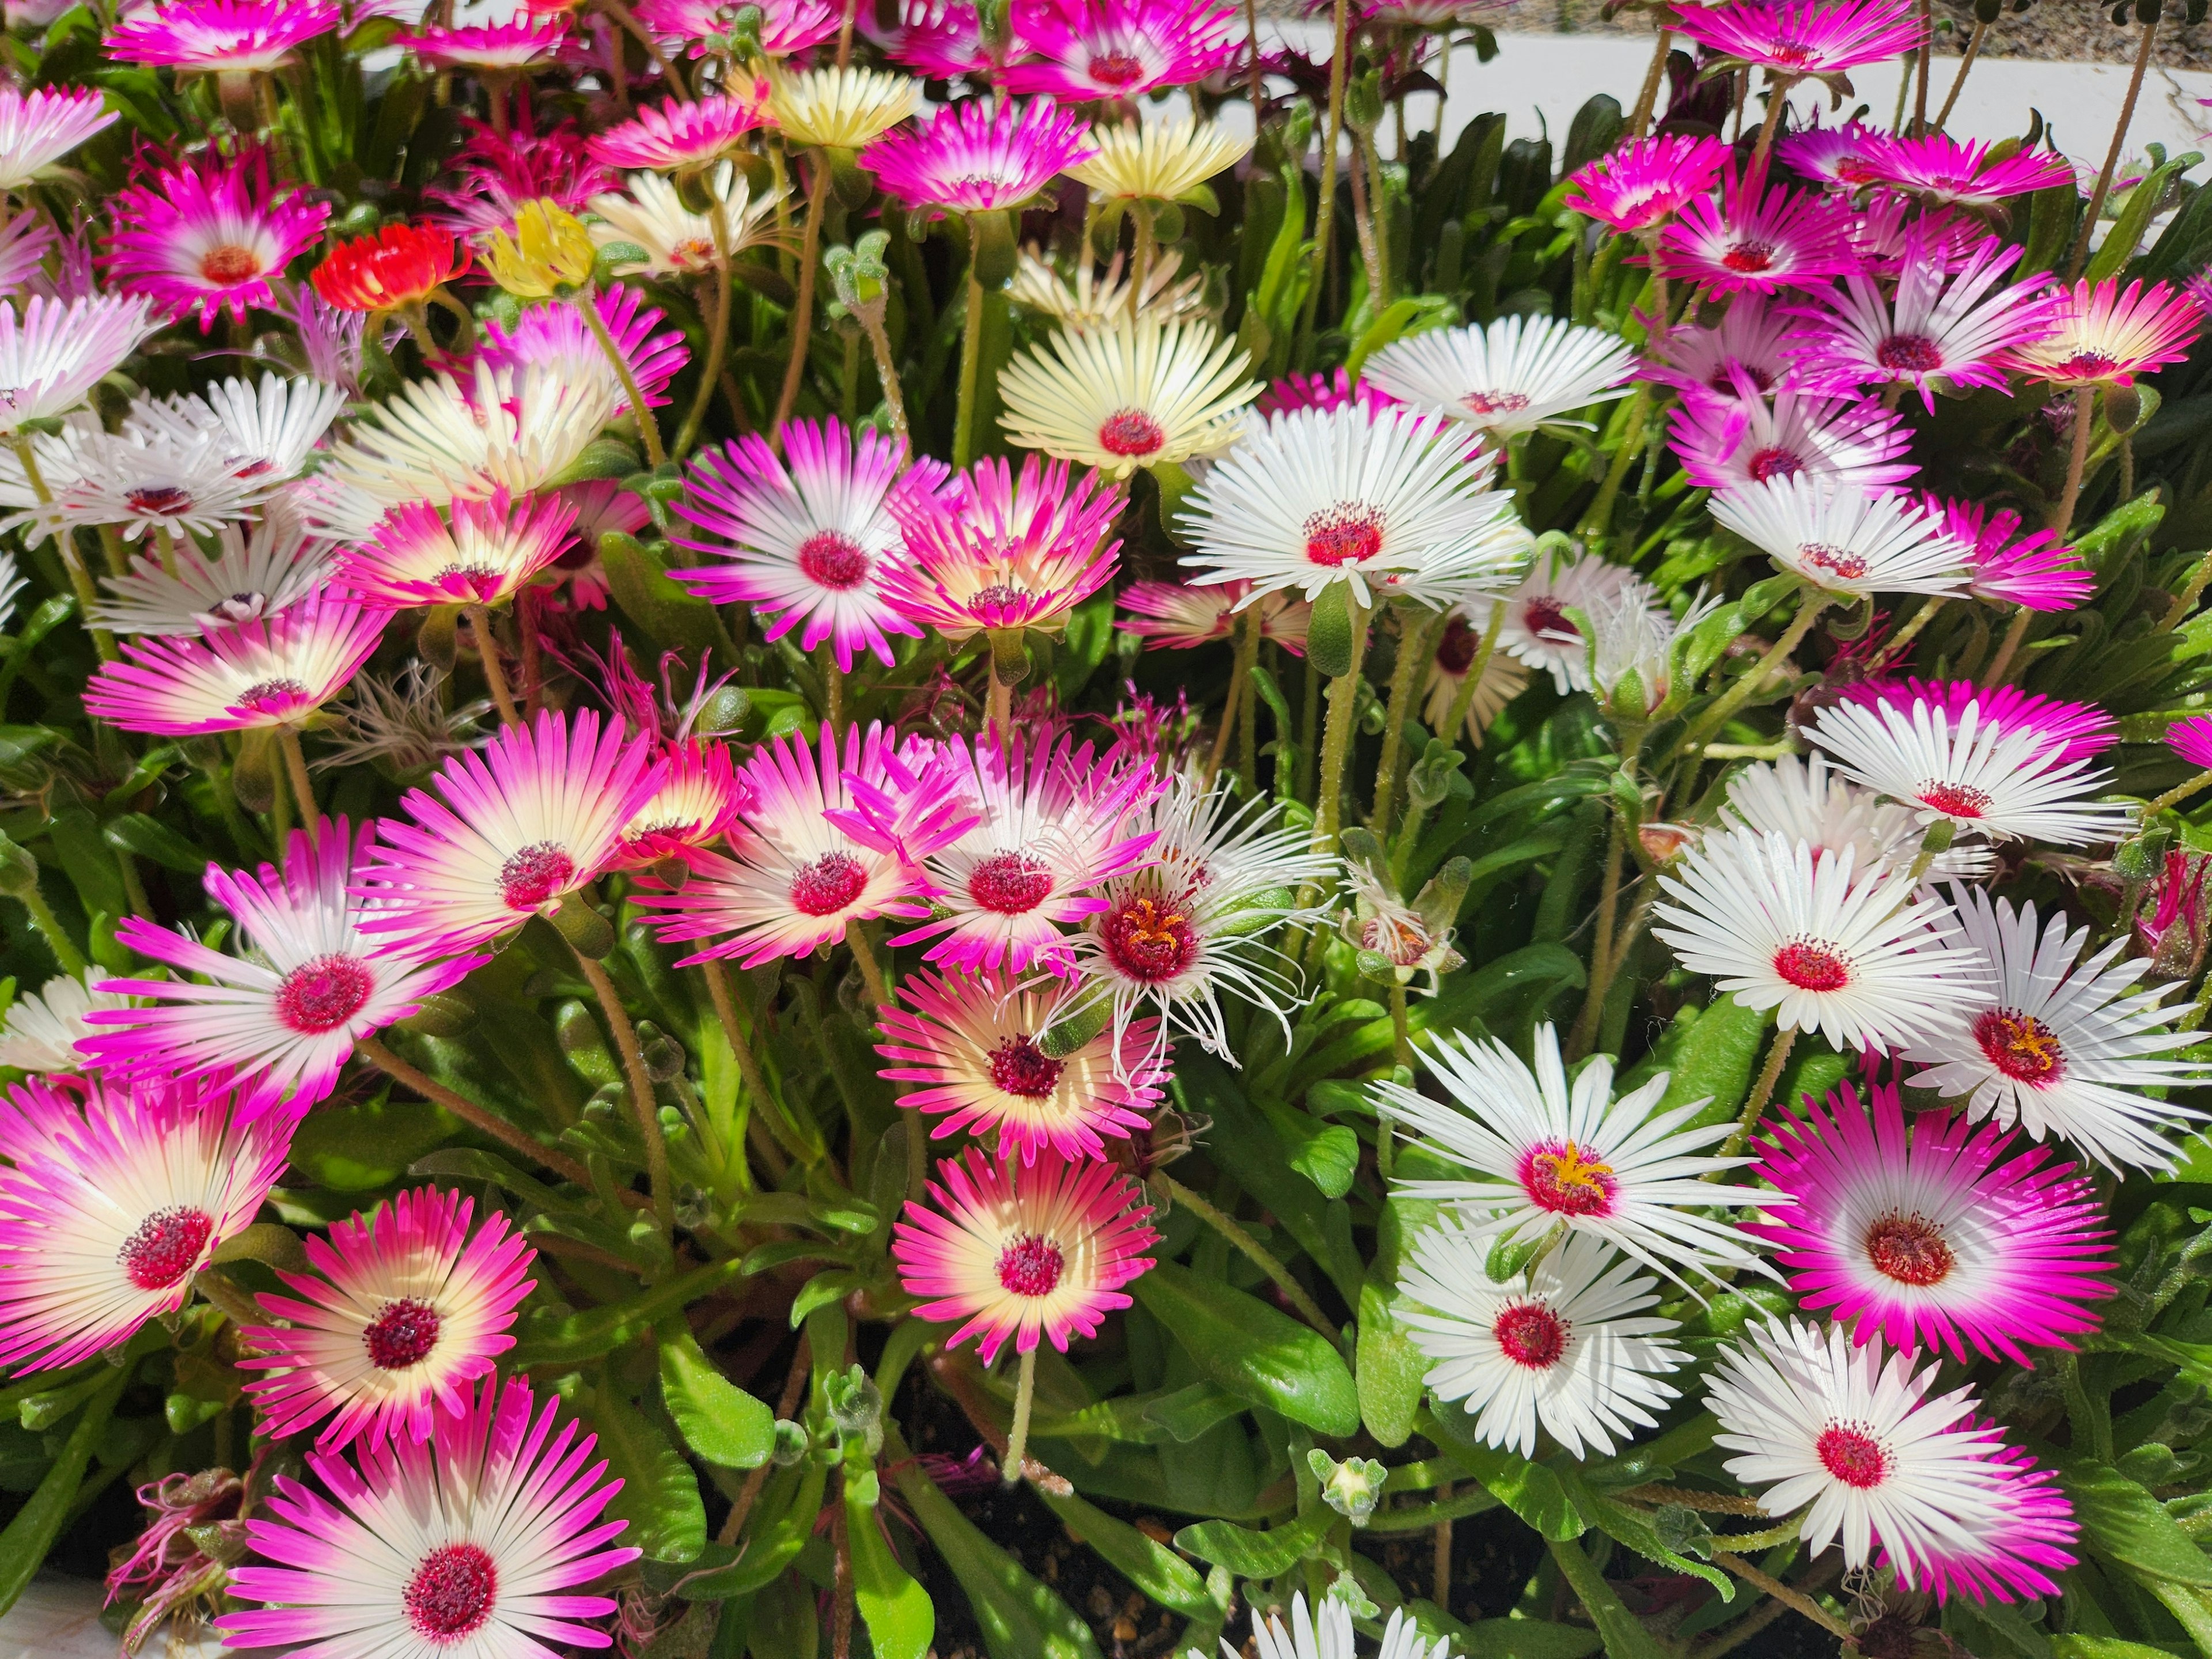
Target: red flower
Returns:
[[399, 266]]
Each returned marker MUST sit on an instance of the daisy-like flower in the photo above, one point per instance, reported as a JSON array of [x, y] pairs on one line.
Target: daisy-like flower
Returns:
[[528, 39], [1157, 161], [679, 137], [2035, 571], [676, 240], [1027, 1251], [2071, 1046], [2024, 1539], [1842, 156], [1332, 1637], [475, 1541], [1569, 1344], [1803, 799], [1387, 504], [1844, 539], [979, 156], [1170, 615], [998, 553], [272, 670], [700, 796], [133, 481], [405, 1310], [523, 823], [53, 353], [2003, 781], [2102, 334], [1858, 953], [1120, 49], [1515, 375], [1089, 298], [804, 539], [1541, 1153], [1537, 631], [1929, 1236], [37, 129], [2191, 740], [1939, 169], [210, 237], [283, 1016], [401, 264], [841, 109], [786, 28], [1793, 38], [2069, 731], [972, 1045], [1857, 1435], [116, 1197], [1504, 679], [227, 36], [487, 554], [1754, 344], [43, 1028], [1847, 440], [1397, 941], [1647, 181], [555, 339], [1945, 326], [258, 574], [1135, 393], [1785, 240]]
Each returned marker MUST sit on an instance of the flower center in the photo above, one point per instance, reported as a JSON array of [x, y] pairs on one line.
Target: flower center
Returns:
[[271, 693], [1131, 432], [1455, 651], [1914, 353], [166, 501], [1909, 1248], [1844, 564], [1116, 69], [1570, 1179], [996, 599], [2088, 366], [1545, 615], [1351, 533], [1775, 464], [1749, 258], [2020, 1046], [1723, 379], [1494, 403], [230, 264], [1018, 1066], [1011, 883], [1789, 54], [696, 252], [831, 560], [1960, 800], [1852, 1456], [828, 885], [535, 874], [1402, 941], [1812, 966], [1149, 942], [1531, 1334], [1853, 170], [1030, 1266], [323, 993], [401, 1334], [165, 1247], [452, 1593]]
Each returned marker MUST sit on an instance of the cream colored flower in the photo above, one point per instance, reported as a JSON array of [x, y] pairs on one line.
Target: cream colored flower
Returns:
[[1129, 393], [1160, 161], [677, 240], [841, 109], [1089, 298]]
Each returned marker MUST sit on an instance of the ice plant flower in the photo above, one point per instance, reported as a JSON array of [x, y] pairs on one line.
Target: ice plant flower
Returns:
[[1026, 1251], [1844, 539], [1646, 181], [1161, 159], [210, 237], [2067, 731], [37, 129], [272, 670], [262, 431], [1844, 440], [523, 41], [1754, 345], [474, 1541], [1793, 38], [1570, 1345], [1537, 630], [842, 109], [699, 798], [2035, 571], [555, 338], [258, 573], [1134, 393], [679, 136], [1825, 941], [1941, 170], [130, 480], [1322, 391], [116, 1196], [653, 217], [2191, 740], [1516, 374], [979, 156], [788, 27], [402, 264], [1387, 504], [546, 252], [42, 1027], [1120, 50], [1804, 798], [2022, 1539], [2102, 334], [225, 37], [405, 1309], [1842, 156], [475, 553], [1541, 1153], [512, 831], [1088, 298], [1168, 616], [972, 1043], [1929, 1235], [1504, 679], [1783, 240], [52, 354], [2070, 1047]]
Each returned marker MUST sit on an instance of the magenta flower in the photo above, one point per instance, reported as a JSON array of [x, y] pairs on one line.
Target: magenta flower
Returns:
[[2191, 740], [699, 798], [555, 334], [1648, 180], [671, 136], [474, 1541], [938, 41], [1754, 343], [785, 25], [1120, 49], [271, 670], [210, 236], [2101, 334], [1939, 168], [528, 39], [226, 37], [974, 158], [1728, 445], [2027, 1532], [2066, 730], [1835, 155], [495, 174], [2035, 571], [1786, 241], [1318, 391], [1805, 36], [37, 129], [403, 1312], [1171, 617], [489, 552]]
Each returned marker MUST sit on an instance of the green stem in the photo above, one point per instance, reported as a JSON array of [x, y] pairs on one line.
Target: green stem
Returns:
[[718, 329], [1598, 522], [724, 996], [1171, 1192], [871, 973], [1413, 647], [2097, 196], [1336, 737], [494, 672], [475, 1116], [2180, 792], [1018, 1437], [802, 312], [880, 342], [971, 364], [79, 578], [2007, 648], [648, 428], [1602, 965], [643, 1107], [1761, 1091], [1325, 211], [1795, 1601], [71, 959], [1140, 260], [1809, 607], [303, 791]]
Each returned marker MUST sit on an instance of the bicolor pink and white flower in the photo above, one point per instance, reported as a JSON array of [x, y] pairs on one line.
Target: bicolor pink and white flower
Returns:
[[1317, 391], [272, 670], [1120, 49], [1793, 38], [980, 155], [2036, 571], [1782, 240], [53, 353], [1844, 539], [210, 236], [2069, 731], [556, 341], [2023, 1541], [1940, 169], [1728, 445], [42, 1027], [1840, 155], [475, 553], [477, 1540], [1804, 798], [1515, 375], [527, 40], [37, 129], [1504, 679], [1023, 1251], [787, 27], [1755, 342], [405, 1309], [225, 37], [680, 137], [1175, 616], [699, 797], [2102, 334], [1646, 181]]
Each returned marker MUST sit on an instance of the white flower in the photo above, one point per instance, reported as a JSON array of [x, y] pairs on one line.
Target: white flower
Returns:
[[42, 1029], [2070, 1047], [1844, 539], [1516, 374], [1088, 298], [59, 351], [1388, 504], [1544, 1154], [1333, 1637], [1629, 637], [1858, 954], [265, 429], [1537, 630], [135, 480], [11, 584], [1804, 798], [1568, 1344], [258, 574], [675, 239]]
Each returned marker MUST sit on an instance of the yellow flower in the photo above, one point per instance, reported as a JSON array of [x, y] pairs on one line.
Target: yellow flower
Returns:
[[550, 252], [841, 109], [1159, 161]]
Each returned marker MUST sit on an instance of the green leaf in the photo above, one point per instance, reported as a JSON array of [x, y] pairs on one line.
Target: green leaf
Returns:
[[2076, 1645], [1327, 1154], [2127, 230], [571, 1339], [901, 1618], [672, 618], [1157, 1571], [1250, 1555], [364, 1148], [659, 1496], [1527, 1638], [2124, 1522], [1389, 1370], [1252, 1350], [1624, 1526], [1190, 1412], [1624, 1634], [718, 1420], [1716, 1060], [24, 1544], [150, 839], [1020, 1617], [1330, 633], [1529, 1490]]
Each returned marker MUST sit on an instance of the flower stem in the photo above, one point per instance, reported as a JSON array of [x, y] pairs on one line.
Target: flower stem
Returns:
[[1325, 210], [2180, 792], [724, 996], [1401, 1054], [1921, 619], [71, 959], [639, 1082], [1414, 648], [1793, 1600], [475, 1116], [1602, 965], [1024, 1400], [1958, 81], [624, 18], [971, 365], [1646, 101], [2007, 647], [1232, 704], [494, 672], [1776, 102], [802, 311], [303, 791], [871, 973], [1140, 257], [2079, 257], [2077, 459], [1762, 1091], [880, 342], [79, 578], [718, 329], [1809, 606], [1336, 737], [648, 428], [1598, 522], [1169, 1191]]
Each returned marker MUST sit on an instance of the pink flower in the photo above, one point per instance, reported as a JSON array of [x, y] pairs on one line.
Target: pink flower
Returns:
[[1120, 49], [495, 174], [973, 1043], [2191, 740], [403, 1310], [1937, 168], [472, 1541], [2024, 1540], [936, 40], [1835, 155], [526, 40], [210, 236], [980, 155], [1805, 36], [785, 25], [700, 796], [555, 334], [1728, 445], [1322, 391], [271, 671], [1026, 1251], [1786, 241], [116, 1197], [37, 129], [1755, 342], [2034, 571], [671, 136], [2069, 731], [229, 37], [1648, 180], [1168, 616], [489, 552], [2102, 334], [283, 1020], [523, 822]]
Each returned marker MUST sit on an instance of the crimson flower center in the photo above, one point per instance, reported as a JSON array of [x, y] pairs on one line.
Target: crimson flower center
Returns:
[[2020, 1046], [1777, 463], [1810, 966], [996, 598], [1011, 883], [1116, 69], [1790, 54], [166, 499], [1853, 170], [1570, 1179], [1911, 1249], [1531, 1334], [1749, 258], [402, 1333], [452, 1593], [1456, 650], [262, 695], [1031, 1265], [1131, 432], [1545, 615], [1960, 800], [1852, 1456], [535, 874], [833, 560], [1149, 942], [1722, 379], [165, 1247], [1494, 403], [2088, 366], [1914, 353], [1350, 532], [1018, 1066], [828, 885], [1841, 560], [323, 993], [230, 264]]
